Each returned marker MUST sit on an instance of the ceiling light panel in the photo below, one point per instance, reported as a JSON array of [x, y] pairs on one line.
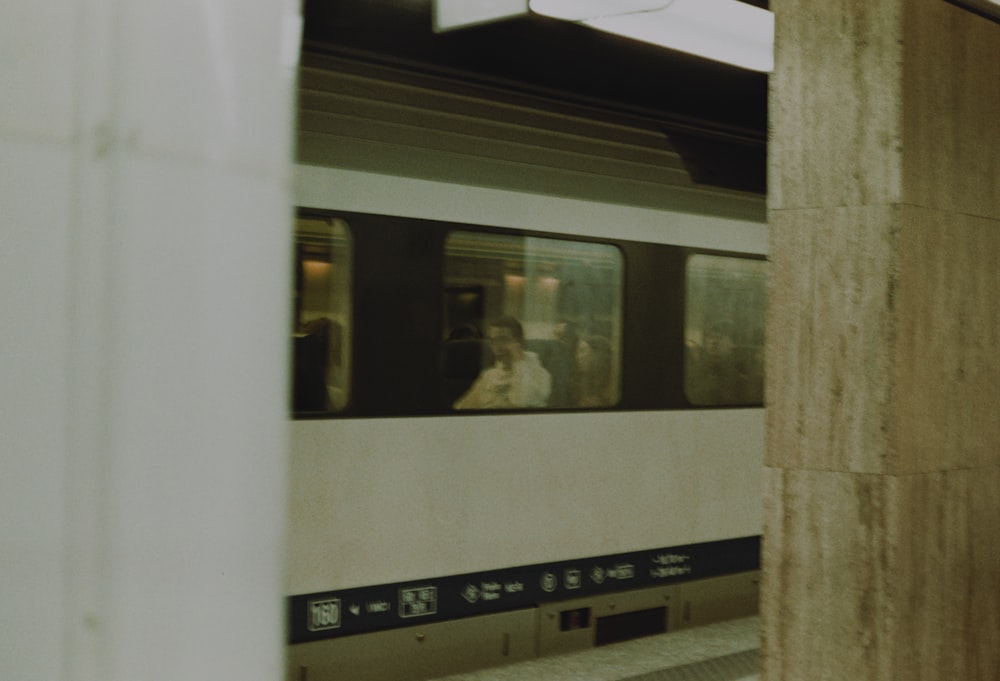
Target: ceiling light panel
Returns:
[[728, 31]]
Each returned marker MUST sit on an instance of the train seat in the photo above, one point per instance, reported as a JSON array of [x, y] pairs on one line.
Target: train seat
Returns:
[[462, 360]]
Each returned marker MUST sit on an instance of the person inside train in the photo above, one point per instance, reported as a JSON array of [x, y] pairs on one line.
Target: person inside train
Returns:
[[593, 365], [317, 363], [516, 380], [566, 332], [467, 331], [712, 374], [561, 364]]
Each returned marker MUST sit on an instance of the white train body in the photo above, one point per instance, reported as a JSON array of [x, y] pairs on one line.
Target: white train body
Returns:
[[384, 500], [387, 513]]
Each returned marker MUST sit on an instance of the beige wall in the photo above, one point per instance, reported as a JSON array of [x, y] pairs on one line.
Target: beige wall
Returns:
[[883, 478]]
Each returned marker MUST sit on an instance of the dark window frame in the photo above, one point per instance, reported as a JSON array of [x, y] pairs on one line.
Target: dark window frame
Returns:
[[396, 353]]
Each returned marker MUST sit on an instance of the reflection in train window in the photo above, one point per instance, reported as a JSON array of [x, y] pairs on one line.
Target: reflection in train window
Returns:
[[321, 324], [531, 322], [724, 332]]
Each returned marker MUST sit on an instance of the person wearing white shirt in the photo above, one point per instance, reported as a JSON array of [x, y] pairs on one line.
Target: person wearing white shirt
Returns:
[[517, 380]]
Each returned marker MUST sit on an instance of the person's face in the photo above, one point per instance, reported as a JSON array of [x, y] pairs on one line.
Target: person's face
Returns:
[[584, 355], [502, 342]]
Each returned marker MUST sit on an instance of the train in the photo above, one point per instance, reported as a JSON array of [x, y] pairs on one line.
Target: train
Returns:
[[527, 380]]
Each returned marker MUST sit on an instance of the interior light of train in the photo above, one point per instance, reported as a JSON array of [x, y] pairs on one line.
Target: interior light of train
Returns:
[[548, 283], [316, 269], [727, 31]]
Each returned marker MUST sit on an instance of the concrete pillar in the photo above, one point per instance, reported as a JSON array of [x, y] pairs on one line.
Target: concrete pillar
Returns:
[[882, 517], [145, 215]]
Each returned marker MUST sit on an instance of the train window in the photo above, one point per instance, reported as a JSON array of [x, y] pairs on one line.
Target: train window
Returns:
[[724, 330], [531, 322], [321, 324]]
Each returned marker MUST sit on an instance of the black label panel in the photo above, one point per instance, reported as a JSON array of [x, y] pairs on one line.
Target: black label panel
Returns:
[[330, 614]]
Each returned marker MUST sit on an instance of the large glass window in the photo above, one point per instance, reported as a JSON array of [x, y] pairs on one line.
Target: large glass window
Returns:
[[531, 322], [724, 330], [321, 324]]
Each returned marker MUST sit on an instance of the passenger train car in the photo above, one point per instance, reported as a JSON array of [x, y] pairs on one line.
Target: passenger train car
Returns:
[[450, 506]]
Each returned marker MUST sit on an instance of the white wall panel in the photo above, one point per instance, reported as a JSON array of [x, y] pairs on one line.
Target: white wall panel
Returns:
[[34, 255], [143, 260], [38, 49]]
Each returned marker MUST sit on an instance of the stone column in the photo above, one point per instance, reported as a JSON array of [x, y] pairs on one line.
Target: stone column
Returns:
[[882, 515]]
